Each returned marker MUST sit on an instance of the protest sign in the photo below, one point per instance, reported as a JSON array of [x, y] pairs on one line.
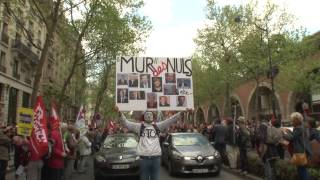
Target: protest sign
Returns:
[[151, 83], [25, 121]]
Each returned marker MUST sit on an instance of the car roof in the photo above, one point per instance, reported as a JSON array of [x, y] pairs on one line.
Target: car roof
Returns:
[[185, 133], [123, 135]]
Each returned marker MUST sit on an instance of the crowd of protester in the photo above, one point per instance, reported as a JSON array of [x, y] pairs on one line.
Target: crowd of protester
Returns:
[[70, 152]]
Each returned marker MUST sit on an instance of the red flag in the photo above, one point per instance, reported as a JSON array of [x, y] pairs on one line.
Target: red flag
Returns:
[[81, 113], [54, 119], [39, 134], [111, 125]]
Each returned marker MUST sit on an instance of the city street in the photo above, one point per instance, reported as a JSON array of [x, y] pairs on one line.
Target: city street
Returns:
[[164, 176]]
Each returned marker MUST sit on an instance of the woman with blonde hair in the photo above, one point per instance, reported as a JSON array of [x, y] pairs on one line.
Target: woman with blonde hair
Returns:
[[300, 143]]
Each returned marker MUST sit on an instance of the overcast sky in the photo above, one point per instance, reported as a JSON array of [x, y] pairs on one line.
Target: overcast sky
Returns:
[[175, 22]]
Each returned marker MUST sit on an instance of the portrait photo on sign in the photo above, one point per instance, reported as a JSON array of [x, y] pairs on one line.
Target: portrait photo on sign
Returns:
[[136, 95], [156, 84], [181, 101], [170, 89], [152, 100], [145, 81], [164, 101], [133, 80], [184, 83], [122, 79], [122, 95], [170, 77]]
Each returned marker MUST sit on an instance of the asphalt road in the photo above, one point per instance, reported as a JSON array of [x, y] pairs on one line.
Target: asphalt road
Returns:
[[163, 176]]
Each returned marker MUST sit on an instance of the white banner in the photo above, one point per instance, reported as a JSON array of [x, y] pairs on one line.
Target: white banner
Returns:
[[151, 83]]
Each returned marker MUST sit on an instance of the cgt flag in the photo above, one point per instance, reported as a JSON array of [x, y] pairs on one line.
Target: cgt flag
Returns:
[[39, 134], [54, 119]]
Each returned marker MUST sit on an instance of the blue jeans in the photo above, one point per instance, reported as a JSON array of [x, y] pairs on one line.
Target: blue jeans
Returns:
[[150, 168], [303, 173]]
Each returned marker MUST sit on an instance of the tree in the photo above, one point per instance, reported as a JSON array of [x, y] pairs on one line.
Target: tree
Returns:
[[218, 43], [119, 34]]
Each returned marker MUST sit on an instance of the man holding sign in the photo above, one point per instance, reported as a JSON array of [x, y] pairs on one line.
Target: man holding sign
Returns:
[[149, 149]]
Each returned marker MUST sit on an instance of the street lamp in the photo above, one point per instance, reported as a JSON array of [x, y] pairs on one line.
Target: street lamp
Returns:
[[273, 70]]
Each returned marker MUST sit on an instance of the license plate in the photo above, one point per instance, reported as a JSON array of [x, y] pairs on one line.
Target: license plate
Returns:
[[199, 170], [121, 166]]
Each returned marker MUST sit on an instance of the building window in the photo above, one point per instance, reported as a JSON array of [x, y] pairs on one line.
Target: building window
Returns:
[[4, 34], [2, 58], [15, 67], [1, 92], [26, 100]]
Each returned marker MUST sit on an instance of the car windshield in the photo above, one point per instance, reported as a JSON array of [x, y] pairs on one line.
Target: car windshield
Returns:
[[189, 140], [120, 142]]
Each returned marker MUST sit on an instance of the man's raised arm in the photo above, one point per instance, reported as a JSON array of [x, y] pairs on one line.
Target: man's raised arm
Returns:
[[132, 126], [166, 123]]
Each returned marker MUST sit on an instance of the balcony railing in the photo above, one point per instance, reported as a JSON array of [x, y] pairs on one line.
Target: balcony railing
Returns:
[[16, 75], [5, 38], [25, 51], [3, 69], [28, 81]]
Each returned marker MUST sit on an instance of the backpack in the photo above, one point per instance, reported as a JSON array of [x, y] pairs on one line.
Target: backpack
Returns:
[[274, 135], [142, 127]]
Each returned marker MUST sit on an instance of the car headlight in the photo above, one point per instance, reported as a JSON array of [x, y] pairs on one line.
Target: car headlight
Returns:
[[187, 158], [210, 157], [137, 158], [100, 159]]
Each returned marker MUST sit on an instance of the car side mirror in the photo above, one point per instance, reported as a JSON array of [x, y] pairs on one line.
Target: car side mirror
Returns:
[[166, 144]]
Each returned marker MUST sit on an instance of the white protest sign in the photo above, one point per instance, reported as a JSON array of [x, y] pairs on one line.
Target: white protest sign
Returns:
[[151, 83]]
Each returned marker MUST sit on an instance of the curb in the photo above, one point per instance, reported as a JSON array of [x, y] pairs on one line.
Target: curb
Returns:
[[234, 172]]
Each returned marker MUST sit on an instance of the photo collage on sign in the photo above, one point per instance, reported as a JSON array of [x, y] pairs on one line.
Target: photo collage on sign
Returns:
[[158, 92]]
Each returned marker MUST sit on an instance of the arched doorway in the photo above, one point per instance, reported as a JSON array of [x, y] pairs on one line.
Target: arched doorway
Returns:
[[199, 116], [213, 113], [260, 105]]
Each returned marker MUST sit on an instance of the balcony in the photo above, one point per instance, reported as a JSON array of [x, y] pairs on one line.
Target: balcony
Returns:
[[25, 52], [28, 81], [3, 69], [16, 75], [5, 38]]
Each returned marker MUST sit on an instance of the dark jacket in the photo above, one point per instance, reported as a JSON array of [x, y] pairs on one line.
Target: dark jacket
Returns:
[[314, 134], [266, 151], [220, 134], [299, 140], [243, 137], [4, 146], [231, 139]]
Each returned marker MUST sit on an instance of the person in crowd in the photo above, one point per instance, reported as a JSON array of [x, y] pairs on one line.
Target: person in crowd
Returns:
[[232, 150], [243, 142], [149, 133], [71, 143], [314, 133], [22, 155], [300, 142], [85, 151], [56, 161], [4, 150], [219, 135], [267, 152]]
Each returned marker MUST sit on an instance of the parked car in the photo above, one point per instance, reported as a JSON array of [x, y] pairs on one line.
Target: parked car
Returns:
[[190, 153], [117, 157]]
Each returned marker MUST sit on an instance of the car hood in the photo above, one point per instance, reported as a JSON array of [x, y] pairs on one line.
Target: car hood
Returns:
[[115, 153], [194, 151]]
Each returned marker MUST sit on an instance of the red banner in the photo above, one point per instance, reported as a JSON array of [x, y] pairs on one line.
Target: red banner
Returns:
[[39, 140], [54, 119]]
